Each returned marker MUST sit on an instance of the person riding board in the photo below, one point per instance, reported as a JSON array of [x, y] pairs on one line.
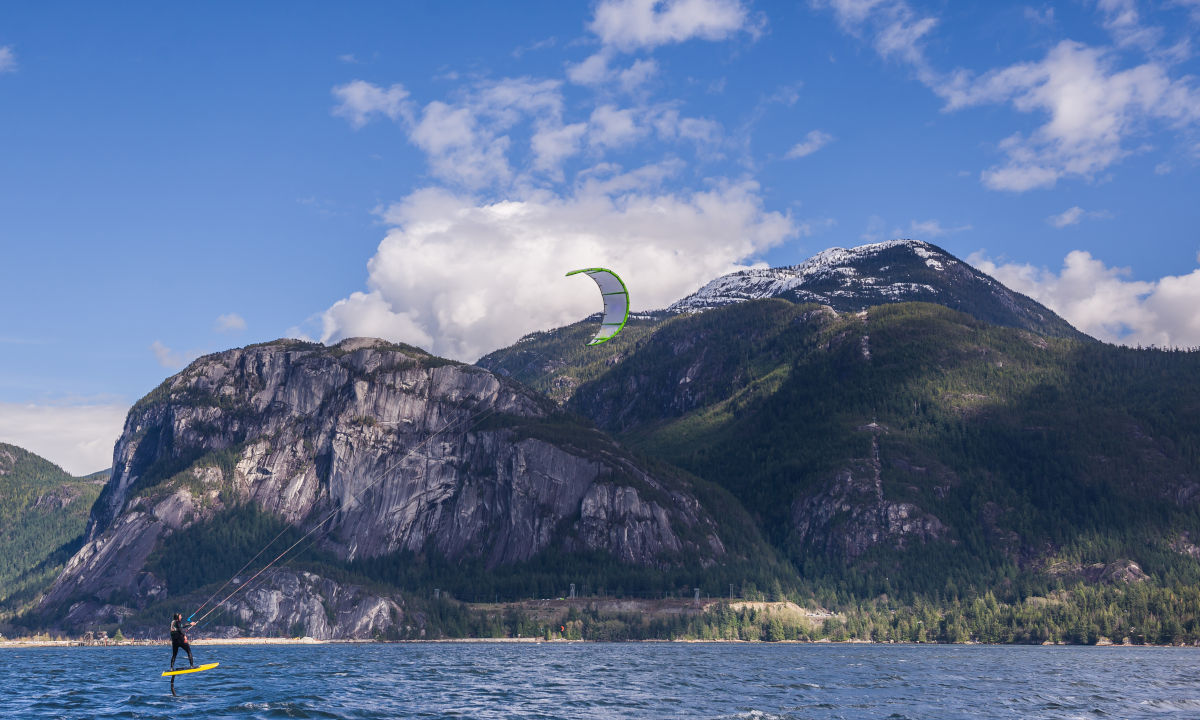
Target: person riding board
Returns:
[[179, 640]]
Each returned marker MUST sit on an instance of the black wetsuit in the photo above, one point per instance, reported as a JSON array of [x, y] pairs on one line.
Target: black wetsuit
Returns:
[[179, 640]]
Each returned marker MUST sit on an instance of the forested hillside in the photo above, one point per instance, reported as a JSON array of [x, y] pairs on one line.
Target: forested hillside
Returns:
[[43, 511], [911, 450]]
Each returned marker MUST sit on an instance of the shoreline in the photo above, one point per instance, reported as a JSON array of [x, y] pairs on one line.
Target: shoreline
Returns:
[[211, 642]]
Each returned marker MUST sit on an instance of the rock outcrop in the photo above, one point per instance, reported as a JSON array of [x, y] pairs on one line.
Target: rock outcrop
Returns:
[[850, 514], [387, 449]]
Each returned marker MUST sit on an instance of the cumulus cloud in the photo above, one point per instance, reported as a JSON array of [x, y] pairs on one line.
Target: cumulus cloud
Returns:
[[593, 70], [8, 59], [1092, 107], [230, 322], [462, 277], [476, 261], [1102, 302], [492, 133], [1092, 104], [553, 145], [642, 24], [359, 101], [813, 141], [612, 127], [79, 438]]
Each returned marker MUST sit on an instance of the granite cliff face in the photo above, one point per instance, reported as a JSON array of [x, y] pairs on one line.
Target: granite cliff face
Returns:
[[851, 514], [388, 449]]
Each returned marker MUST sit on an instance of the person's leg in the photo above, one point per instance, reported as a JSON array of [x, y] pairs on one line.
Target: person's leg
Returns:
[[188, 647], [174, 652]]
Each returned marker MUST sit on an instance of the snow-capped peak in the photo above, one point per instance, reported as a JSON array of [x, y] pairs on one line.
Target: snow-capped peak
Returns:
[[836, 273]]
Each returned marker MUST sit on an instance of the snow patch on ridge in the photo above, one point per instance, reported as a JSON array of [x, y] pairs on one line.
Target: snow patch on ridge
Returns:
[[834, 264]]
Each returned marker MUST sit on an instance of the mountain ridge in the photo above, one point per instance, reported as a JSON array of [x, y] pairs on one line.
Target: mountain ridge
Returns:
[[901, 270], [43, 513], [384, 454]]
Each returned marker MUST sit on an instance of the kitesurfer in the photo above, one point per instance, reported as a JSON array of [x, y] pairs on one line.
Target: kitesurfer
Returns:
[[180, 640]]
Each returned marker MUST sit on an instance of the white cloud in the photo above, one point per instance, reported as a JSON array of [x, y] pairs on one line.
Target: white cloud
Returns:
[[539, 45], [553, 145], [637, 74], [462, 277], [813, 141], [1072, 216], [597, 70], [612, 127], [852, 13], [897, 30], [511, 133], [459, 149], [172, 359], [1101, 302], [1092, 108], [230, 322], [8, 59], [1045, 16], [669, 125], [876, 229], [932, 228], [360, 100], [469, 138], [593, 70], [1092, 105], [79, 438], [1163, 168], [632, 24], [1123, 21]]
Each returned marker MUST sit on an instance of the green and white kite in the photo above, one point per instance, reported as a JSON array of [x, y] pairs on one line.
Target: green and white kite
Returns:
[[616, 303]]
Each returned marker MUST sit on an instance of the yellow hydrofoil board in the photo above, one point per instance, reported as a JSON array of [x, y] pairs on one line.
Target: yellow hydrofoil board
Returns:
[[198, 668]]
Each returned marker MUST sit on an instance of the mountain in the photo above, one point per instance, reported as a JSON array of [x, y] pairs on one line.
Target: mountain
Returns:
[[843, 280], [913, 437], [43, 512], [388, 470], [909, 447], [905, 447], [881, 273]]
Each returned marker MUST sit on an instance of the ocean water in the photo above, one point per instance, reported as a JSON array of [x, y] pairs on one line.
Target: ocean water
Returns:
[[635, 680]]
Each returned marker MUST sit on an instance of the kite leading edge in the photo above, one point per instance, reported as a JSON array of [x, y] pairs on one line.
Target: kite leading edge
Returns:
[[616, 302]]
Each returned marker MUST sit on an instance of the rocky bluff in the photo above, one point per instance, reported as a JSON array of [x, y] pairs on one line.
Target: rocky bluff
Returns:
[[386, 448]]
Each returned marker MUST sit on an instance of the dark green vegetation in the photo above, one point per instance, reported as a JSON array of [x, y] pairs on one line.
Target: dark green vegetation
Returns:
[[43, 512], [536, 359], [915, 453], [928, 475]]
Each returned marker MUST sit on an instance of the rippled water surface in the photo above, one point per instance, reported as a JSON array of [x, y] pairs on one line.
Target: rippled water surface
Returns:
[[644, 680]]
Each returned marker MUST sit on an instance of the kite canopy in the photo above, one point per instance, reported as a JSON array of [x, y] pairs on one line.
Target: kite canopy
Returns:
[[616, 303]]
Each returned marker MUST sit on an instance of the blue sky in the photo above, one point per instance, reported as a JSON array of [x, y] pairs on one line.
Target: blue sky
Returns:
[[179, 180]]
